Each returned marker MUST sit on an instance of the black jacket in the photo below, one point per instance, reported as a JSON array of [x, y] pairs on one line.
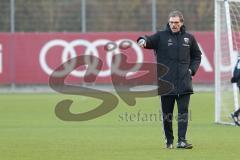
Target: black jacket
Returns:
[[236, 73], [179, 52]]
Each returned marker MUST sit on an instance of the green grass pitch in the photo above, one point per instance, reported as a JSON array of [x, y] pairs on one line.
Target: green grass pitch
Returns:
[[29, 130]]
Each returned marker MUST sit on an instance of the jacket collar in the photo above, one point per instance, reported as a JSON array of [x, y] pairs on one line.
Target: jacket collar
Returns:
[[182, 29]]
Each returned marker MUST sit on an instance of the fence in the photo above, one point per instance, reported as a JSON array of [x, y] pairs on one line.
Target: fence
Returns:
[[101, 16], [26, 18]]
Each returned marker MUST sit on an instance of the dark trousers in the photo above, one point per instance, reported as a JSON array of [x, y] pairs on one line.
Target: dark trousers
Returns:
[[237, 112], [182, 117]]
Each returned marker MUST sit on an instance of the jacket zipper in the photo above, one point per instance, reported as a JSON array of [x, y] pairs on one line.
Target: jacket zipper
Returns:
[[177, 36]]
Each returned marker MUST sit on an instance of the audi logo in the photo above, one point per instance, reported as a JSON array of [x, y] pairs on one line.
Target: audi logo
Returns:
[[112, 48]]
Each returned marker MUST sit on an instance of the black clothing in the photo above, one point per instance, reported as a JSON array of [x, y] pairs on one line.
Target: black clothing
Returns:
[[237, 112], [236, 79], [179, 52], [182, 117], [236, 73]]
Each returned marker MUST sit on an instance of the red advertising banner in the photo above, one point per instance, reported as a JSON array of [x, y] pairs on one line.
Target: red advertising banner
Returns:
[[30, 58]]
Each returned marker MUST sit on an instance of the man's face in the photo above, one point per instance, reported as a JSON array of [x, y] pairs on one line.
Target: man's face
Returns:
[[175, 24]]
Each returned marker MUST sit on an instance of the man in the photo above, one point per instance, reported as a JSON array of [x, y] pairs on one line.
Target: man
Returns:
[[179, 51], [236, 79]]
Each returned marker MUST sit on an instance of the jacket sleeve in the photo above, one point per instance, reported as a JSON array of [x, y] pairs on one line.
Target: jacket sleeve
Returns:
[[151, 41], [195, 55]]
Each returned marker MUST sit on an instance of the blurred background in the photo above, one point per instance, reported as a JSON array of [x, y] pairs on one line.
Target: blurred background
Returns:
[[28, 27], [101, 16]]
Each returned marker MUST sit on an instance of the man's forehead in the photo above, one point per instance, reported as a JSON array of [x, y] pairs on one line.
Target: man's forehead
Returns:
[[176, 18]]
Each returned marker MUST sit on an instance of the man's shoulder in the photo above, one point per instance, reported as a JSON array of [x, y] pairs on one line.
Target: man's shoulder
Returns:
[[162, 32], [159, 32], [189, 34]]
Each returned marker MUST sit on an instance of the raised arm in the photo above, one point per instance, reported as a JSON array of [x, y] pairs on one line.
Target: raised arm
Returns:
[[148, 42]]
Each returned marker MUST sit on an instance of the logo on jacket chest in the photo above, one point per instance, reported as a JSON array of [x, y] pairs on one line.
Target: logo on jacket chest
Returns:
[[186, 42]]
